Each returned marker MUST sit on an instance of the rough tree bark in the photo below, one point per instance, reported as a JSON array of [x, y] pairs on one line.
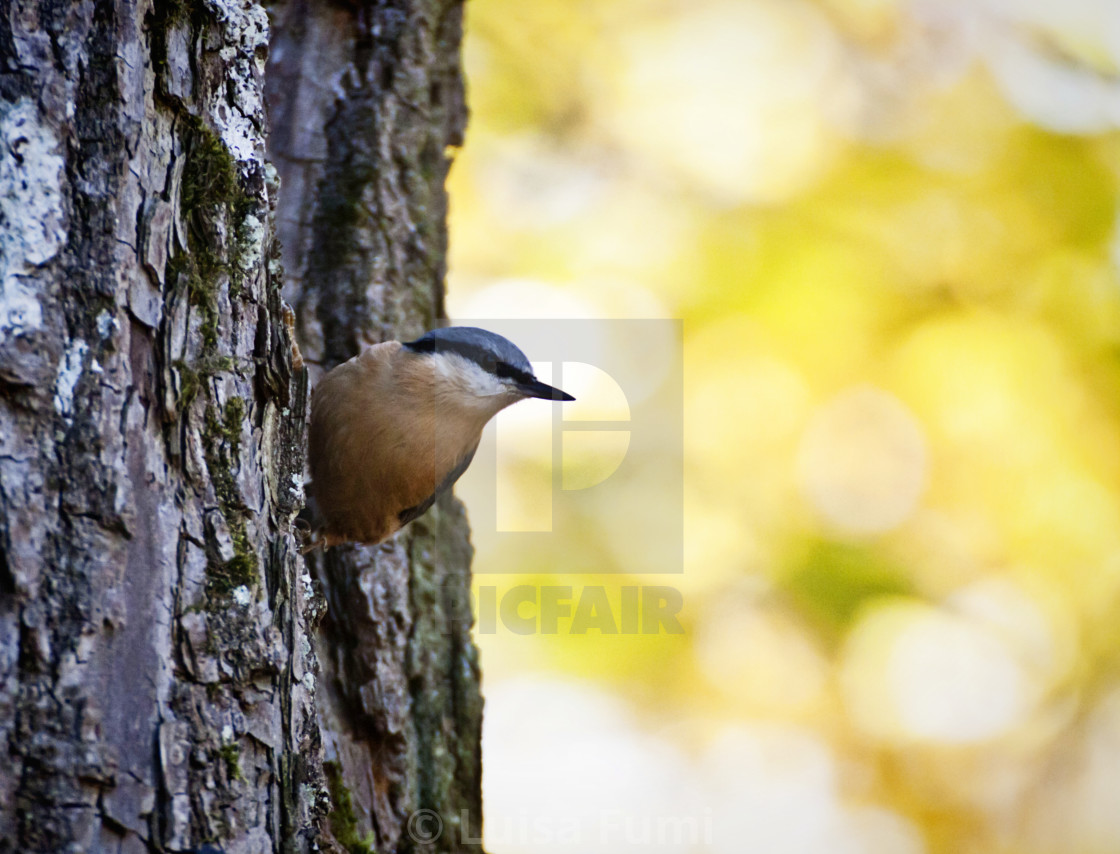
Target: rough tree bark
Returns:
[[158, 678], [365, 100]]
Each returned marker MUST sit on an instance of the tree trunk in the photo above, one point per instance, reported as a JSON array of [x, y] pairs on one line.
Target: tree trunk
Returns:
[[364, 100], [158, 677]]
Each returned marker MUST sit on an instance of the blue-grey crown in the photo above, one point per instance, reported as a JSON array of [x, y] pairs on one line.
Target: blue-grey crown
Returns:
[[490, 351]]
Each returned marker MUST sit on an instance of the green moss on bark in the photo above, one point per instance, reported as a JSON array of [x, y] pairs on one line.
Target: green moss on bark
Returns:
[[222, 441], [343, 821], [231, 756], [214, 206]]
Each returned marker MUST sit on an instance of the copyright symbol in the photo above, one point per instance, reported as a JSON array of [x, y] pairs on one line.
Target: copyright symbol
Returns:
[[425, 826]]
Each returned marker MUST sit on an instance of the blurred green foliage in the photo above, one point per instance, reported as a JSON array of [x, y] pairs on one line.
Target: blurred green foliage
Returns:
[[838, 196]]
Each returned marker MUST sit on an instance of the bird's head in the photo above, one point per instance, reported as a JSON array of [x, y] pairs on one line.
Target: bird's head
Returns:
[[481, 367]]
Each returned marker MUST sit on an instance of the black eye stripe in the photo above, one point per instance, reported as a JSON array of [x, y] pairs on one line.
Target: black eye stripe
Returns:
[[508, 371], [478, 355]]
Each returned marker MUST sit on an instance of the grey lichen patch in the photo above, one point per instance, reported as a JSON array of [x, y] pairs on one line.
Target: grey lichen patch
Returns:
[[69, 372], [32, 221], [247, 46], [250, 243]]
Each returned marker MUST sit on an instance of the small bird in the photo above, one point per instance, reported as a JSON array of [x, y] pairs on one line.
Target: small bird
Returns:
[[398, 424]]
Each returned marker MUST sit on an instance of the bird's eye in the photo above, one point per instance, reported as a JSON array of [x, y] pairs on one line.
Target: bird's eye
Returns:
[[506, 371]]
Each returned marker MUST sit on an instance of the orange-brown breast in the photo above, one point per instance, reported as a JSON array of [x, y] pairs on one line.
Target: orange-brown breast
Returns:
[[383, 436]]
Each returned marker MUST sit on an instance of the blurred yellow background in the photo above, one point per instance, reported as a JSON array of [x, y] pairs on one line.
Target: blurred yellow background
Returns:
[[890, 231]]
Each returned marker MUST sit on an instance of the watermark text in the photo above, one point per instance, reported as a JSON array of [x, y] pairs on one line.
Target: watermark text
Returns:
[[549, 609]]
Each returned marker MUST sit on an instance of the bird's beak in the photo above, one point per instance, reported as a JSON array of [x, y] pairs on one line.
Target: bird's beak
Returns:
[[535, 388]]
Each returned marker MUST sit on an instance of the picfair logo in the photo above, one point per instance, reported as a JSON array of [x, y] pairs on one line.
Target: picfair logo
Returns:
[[579, 446], [600, 476]]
